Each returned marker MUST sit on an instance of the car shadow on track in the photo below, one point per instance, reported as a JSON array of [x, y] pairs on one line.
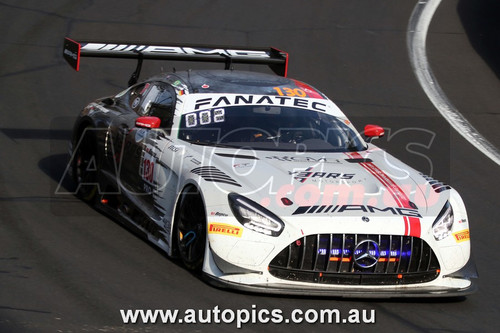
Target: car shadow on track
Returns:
[[64, 202]]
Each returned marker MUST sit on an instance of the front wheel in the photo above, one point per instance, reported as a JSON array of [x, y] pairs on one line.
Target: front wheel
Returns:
[[191, 229]]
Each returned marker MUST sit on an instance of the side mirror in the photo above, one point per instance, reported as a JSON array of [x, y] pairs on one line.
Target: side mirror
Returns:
[[373, 132], [148, 122]]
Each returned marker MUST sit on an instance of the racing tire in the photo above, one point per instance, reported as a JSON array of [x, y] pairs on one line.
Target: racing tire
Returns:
[[191, 229], [85, 166]]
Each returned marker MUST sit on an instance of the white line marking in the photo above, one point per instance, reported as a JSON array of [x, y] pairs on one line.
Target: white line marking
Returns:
[[416, 36]]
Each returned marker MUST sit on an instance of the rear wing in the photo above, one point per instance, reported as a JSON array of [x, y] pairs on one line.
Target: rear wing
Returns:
[[274, 58]]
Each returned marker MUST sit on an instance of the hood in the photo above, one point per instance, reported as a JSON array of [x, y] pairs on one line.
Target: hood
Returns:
[[349, 184]]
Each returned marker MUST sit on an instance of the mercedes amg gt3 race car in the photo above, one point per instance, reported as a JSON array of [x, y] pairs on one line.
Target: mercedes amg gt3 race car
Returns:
[[261, 183]]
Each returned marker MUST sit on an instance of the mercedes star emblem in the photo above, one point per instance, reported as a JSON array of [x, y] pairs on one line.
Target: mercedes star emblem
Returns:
[[366, 253]]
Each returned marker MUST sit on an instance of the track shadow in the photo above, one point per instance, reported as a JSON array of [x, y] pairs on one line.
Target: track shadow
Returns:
[[36, 134], [55, 166], [63, 201], [480, 19]]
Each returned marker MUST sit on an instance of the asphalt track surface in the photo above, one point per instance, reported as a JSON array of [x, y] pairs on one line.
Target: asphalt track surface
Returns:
[[65, 267]]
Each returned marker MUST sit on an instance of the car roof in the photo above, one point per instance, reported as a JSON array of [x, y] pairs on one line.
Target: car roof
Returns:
[[236, 82]]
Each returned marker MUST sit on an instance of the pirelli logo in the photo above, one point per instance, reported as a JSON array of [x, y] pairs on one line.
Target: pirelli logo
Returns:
[[224, 229], [462, 236]]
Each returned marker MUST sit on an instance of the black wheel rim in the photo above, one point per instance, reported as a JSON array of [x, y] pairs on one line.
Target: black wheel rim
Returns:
[[191, 230]]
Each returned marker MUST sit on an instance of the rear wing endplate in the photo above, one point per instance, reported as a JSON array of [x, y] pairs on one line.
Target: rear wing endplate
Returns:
[[274, 58]]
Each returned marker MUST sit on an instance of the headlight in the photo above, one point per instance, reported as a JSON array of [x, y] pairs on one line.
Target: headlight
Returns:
[[442, 226], [255, 217]]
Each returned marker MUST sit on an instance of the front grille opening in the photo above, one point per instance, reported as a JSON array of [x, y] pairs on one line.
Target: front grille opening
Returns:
[[356, 259]]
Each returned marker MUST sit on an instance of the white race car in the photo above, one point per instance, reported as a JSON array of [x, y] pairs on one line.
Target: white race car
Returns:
[[261, 183]]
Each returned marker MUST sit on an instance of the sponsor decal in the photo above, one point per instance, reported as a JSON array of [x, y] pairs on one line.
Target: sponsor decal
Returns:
[[161, 49], [193, 159], [302, 176], [462, 236], [242, 165], [325, 209], [71, 54], [176, 83], [173, 148], [218, 214], [227, 100], [224, 229]]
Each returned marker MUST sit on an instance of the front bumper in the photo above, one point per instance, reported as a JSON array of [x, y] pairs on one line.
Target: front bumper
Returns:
[[284, 289], [458, 284]]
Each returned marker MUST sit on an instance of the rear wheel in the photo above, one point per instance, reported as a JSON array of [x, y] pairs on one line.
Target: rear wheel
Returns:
[[191, 229], [85, 166]]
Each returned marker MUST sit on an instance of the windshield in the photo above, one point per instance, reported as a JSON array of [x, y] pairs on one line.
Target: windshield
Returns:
[[269, 128]]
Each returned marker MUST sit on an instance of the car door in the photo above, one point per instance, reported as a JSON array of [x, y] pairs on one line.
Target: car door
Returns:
[[126, 139], [141, 172]]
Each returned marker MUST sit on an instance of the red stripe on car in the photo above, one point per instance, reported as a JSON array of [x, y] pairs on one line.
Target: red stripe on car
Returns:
[[412, 224]]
